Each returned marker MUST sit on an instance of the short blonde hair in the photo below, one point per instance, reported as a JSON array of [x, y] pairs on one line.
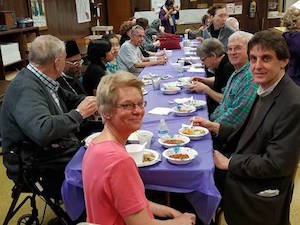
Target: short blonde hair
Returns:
[[290, 18], [106, 90]]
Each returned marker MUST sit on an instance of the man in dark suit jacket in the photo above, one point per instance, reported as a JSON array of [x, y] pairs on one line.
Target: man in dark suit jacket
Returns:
[[259, 181]]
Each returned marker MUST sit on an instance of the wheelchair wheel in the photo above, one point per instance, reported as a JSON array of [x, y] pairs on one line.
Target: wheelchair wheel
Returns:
[[27, 219]]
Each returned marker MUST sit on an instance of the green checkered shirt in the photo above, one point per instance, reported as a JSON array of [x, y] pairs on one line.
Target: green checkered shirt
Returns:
[[238, 98]]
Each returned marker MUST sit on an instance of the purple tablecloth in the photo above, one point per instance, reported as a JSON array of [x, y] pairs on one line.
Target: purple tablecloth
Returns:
[[194, 179]]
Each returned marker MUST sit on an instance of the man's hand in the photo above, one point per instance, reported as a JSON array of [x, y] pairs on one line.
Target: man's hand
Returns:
[[187, 30], [87, 106], [220, 160], [211, 126], [156, 43], [199, 79], [185, 219], [198, 87], [161, 60]]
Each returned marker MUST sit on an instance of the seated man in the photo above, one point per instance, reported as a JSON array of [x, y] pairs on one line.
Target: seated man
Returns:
[[130, 55], [240, 89], [260, 178], [35, 109], [238, 96], [69, 79], [213, 56]]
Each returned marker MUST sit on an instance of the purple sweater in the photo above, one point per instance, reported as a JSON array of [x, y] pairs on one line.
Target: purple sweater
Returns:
[[293, 41]]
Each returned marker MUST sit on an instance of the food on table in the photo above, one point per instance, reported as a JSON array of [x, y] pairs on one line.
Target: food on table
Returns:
[[184, 109], [179, 156], [193, 131], [148, 157], [173, 141], [171, 88]]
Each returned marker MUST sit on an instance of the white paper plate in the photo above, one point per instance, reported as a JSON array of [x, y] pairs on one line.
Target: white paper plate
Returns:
[[170, 90], [88, 139], [185, 140], [182, 150], [145, 92], [152, 162], [186, 110], [194, 136]]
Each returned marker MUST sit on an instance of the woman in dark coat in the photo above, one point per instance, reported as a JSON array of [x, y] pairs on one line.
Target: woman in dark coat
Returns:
[[99, 53]]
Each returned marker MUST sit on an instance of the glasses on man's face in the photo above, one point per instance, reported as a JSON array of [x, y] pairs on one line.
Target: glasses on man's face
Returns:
[[75, 63], [132, 106], [204, 58]]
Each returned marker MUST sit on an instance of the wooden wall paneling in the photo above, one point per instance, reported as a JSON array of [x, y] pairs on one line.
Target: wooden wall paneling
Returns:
[[19, 6], [139, 5], [62, 20], [119, 11]]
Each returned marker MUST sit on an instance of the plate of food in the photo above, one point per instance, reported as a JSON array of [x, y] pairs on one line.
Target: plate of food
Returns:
[[182, 155], [150, 157], [170, 90], [173, 140], [194, 132], [184, 110], [88, 139], [171, 84], [185, 79], [199, 104]]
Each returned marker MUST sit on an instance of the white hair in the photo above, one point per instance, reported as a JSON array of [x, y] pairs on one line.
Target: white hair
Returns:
[[233, 23], [240, 35]]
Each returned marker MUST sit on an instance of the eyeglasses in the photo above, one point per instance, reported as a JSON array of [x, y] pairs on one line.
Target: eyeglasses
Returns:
[[75, 63], [204, 58], [132, 106]]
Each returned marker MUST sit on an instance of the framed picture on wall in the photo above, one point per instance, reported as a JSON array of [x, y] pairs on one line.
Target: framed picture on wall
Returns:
[[38, 13]]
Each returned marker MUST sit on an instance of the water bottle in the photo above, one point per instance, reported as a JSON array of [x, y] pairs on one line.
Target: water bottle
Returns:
[[162, 128]]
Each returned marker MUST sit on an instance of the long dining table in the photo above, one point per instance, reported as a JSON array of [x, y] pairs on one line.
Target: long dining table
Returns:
[[195, 180]]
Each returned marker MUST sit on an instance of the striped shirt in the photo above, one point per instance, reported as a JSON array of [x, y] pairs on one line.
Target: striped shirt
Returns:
[[51, 85], [238, 98]]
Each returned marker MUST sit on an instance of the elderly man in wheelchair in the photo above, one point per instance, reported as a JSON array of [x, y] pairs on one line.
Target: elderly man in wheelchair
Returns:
[[40, 126]]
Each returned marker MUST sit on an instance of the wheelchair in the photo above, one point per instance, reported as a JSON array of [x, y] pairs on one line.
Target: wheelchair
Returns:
[[23, 168]]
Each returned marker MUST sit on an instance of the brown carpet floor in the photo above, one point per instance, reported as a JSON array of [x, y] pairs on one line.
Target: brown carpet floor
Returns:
[[5, 201]]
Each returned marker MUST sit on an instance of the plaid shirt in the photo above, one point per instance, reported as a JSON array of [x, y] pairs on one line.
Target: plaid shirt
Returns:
[[238, 98], [50, 84]]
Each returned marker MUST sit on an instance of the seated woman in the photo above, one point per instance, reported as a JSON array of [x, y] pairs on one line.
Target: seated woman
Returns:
[[114, 192], [99, 53], [114, 65]]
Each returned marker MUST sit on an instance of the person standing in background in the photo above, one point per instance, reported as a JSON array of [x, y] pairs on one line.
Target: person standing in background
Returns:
[[291, 20], [217, 28], [168, 14]]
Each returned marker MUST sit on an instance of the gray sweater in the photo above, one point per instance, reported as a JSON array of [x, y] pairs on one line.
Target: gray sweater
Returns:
[[29, 113]]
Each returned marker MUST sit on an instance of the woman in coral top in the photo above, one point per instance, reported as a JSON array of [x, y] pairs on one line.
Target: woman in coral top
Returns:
[[114, 192]]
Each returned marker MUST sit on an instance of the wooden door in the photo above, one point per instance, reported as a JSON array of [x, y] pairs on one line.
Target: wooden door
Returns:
[[118, 11]]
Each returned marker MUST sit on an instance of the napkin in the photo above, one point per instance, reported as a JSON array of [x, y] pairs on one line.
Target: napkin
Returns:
[[160, 111], [196, 70]]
